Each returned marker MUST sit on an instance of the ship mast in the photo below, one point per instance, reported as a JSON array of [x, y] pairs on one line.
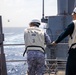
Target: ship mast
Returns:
[[43, 10]]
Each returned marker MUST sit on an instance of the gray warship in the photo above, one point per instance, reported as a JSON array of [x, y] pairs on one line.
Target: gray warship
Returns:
[[56, 55]]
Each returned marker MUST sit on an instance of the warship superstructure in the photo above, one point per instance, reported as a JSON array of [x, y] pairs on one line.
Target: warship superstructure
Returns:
[[56, 24]]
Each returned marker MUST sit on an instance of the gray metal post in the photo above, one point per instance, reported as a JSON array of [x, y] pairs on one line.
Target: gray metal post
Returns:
[[3, 70], [43, 10]]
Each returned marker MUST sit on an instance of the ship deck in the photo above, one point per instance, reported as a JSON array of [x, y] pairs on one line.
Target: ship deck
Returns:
[[58, 73]]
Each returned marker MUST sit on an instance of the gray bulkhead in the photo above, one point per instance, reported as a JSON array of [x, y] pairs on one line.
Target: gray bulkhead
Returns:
[[55, 25]]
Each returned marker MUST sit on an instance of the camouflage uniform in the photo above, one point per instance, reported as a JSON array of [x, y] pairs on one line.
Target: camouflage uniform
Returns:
[[36, 62], [35, 36]]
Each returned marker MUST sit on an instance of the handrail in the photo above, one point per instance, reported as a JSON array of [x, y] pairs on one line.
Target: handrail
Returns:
[[56, 60], [24, 44], [13, 44], [45, 60], [16, 60], [26, 60], [54, 66]]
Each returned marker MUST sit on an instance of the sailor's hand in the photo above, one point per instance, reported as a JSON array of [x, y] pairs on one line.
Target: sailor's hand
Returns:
[[53, 43]]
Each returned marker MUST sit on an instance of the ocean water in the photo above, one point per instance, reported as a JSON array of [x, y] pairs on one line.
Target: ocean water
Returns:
[[15, 35]]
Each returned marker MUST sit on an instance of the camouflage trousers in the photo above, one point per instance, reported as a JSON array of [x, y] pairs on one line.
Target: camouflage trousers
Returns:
[[36, 62]]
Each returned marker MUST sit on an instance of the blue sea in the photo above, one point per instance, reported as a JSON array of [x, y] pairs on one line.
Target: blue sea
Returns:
[[15, 35]]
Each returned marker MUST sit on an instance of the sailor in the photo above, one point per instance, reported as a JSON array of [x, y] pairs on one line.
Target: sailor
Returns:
[[71, 31], [35, 39]]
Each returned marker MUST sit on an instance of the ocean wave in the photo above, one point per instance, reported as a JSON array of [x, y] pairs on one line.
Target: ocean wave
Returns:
[[9, 33], [14, 39], [17, 69]]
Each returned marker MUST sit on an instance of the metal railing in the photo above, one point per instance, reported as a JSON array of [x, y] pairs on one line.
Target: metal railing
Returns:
[[52, 65], [14, 45]]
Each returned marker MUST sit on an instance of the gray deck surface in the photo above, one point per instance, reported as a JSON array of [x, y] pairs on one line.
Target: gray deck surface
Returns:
[[58, 73]]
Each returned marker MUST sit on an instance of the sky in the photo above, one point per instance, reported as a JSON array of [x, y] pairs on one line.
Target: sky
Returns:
[[18, 13]]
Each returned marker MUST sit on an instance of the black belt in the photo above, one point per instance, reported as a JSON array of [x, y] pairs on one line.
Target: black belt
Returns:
[[32, 46]]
